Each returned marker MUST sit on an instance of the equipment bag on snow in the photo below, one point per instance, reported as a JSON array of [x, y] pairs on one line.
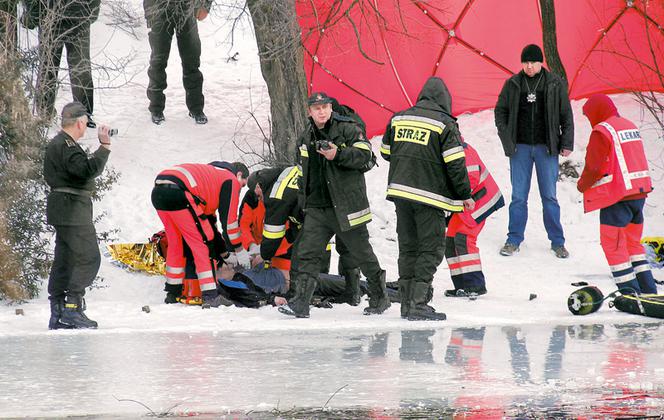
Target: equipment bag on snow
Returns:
[[647, 305]]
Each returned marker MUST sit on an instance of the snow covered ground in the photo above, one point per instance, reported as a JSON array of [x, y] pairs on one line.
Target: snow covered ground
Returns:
[[233, 89]]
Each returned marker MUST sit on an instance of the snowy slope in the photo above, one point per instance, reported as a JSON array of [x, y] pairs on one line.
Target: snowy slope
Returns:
[[233, 90]]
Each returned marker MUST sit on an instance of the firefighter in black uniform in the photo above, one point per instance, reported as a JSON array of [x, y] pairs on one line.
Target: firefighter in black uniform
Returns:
[[70, 173], [427, 178], [278, 188], [333, 152], [63, 24], [179, 17]]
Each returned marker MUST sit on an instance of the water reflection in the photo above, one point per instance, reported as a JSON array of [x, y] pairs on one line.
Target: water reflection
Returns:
[[613, 370]]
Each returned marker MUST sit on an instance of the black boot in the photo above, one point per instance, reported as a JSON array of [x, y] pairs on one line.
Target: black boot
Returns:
[[352, 293], [173, 292], [57, 306], [298, 306], [378, 299], [419, 310], [212, 299], [73, 314], [405, 287]]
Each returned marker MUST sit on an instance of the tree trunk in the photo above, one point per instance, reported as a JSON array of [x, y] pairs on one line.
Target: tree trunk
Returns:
[[282, 64], [550, 40]]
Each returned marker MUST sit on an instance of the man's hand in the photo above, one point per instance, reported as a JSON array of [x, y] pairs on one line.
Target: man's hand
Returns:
[[280, 301], [469, 204], [202, 13], [329, 153], [104, 138], [565, 152]]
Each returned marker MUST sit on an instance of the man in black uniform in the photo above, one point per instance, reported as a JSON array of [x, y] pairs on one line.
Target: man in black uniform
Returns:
[[70, 173], [278, 188], [63, 24], [334, 152], [427, 177], [179, 17]]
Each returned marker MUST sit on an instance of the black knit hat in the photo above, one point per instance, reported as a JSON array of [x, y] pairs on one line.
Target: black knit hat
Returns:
[[532, 53]]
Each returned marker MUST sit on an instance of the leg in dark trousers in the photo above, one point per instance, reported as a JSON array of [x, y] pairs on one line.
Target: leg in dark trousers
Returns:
[[423, 227], [63, 264], [349, 268], [189, 46], [160, 36], [408, 247], [312, 240], [77, 43], [357, 242], [51, 43], [78, 247]]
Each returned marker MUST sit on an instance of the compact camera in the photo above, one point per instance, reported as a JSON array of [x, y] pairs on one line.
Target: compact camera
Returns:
[[323, 145], [112, 132]]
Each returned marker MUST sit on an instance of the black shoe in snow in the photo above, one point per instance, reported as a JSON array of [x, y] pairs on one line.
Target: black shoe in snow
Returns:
[[199, 117], [158, 118], [469, 292], [287, 310], [214, 301]]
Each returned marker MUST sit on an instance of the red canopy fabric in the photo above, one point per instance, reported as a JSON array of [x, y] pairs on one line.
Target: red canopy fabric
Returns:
[[376, 55]]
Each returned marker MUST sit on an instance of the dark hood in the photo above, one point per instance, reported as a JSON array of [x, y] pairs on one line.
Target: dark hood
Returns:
[[598, 108], [435, 91]]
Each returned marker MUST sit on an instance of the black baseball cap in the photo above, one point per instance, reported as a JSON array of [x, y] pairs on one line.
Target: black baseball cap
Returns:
[[74, 110], [319, 98]]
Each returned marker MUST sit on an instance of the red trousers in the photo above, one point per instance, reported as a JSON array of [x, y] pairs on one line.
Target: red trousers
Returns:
[[462, 253], [180, 225]]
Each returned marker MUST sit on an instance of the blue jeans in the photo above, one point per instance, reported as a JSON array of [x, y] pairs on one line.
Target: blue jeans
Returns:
[[521, 172]]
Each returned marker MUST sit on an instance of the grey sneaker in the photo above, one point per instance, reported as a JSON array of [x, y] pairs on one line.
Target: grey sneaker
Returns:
[[560, 251], [509, 249]]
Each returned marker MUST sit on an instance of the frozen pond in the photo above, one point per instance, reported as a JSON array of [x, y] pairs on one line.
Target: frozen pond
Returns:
[[607, 370]]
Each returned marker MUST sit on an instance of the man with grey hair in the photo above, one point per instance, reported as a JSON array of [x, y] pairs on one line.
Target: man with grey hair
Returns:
[[70, 173]]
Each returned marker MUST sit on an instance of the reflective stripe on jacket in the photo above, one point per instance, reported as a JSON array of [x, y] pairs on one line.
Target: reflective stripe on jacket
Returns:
[[625, 171]]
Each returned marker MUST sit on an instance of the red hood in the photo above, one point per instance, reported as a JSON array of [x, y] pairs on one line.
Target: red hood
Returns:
[[598, 108]]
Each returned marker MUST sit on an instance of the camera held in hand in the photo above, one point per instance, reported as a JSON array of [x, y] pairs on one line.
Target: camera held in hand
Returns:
[[112, 132], [323, 145]]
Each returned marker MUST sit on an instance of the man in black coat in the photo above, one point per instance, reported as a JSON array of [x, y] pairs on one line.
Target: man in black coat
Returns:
[[63, 24], [427, 178], [71, 173], [333, 153], [166, 18], [535, 125]]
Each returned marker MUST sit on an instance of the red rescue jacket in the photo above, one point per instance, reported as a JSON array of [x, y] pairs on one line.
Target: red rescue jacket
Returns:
[[252, 216], [213, 188], [616, 167], [484, 189]]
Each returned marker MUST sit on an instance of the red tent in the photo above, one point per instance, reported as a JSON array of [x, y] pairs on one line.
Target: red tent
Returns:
[[376, 55]]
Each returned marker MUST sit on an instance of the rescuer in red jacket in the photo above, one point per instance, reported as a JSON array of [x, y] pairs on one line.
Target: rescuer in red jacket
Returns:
[[461, 251], [186, 198], [616, 181]]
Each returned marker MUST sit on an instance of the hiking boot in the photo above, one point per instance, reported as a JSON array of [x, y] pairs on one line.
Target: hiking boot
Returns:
[[57, 306], [509, 249], [466, 292], [74, 316], [405, 295], [173, 293], [560, 251], [378, 299], [298, 306], [418, 309], [199, 117], [213, 299], [352, 293], [158, 117]]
